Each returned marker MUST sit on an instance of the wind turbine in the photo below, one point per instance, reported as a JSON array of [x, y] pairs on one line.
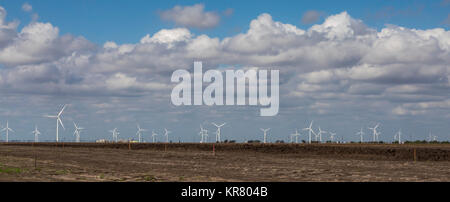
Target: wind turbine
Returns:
[[432, 137], [265, 133], [360, 133], [203, 133], [166, 134], [218, 131], [398, 136], [375, 133], [154, 135], [320, 134], [296, 134], [139, 132], [310, 130], [77, 132], [332, 136], [115, 134], [36, 134], [7, 129], [58, 120]]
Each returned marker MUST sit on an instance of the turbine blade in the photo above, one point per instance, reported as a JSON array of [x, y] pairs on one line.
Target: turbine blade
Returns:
[[59, 114], [48, 116], [60, 122]]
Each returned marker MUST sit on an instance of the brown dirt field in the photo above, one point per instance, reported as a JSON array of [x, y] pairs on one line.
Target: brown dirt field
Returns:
[[231, 162]]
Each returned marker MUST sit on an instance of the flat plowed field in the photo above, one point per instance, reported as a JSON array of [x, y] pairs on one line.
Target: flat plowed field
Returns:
[[229, 162]]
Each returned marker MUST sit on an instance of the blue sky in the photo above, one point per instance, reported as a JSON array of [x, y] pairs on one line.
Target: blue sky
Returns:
[[343, 64], [126, 22]]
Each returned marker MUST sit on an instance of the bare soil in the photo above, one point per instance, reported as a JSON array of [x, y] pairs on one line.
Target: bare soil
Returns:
[[229, 162]]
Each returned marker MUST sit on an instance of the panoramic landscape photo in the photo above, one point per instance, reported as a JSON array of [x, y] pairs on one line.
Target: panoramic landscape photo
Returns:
[[224, 91]]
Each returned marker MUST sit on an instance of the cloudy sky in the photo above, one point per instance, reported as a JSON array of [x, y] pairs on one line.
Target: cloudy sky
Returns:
[[345, 65]]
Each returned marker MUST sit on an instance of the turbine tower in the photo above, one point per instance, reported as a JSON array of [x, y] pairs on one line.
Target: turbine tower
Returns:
[[360, 133], [77, 132], [36, 134], [296, 134], [154, 135], [310, 130], [205, 134], [218, 131], [166, 133], [58, 121], [139, 132], [265, 133], [7, 129]]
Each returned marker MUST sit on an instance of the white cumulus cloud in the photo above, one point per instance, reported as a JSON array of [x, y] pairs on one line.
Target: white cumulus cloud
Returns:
[[191, 16]]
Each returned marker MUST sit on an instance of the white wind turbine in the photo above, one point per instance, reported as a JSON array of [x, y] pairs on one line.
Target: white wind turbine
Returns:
[[58, 121], [154, 135], [310, 130], [203, 133], [432, 137], [77, 132], [36, 134], [375, 132], [332, 135], [166, 133], [296, 134], [320, 134], [115, 134], [360, 133], [139, 132], [398, 136], [218, 131], [265, 133], [7, 129]]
